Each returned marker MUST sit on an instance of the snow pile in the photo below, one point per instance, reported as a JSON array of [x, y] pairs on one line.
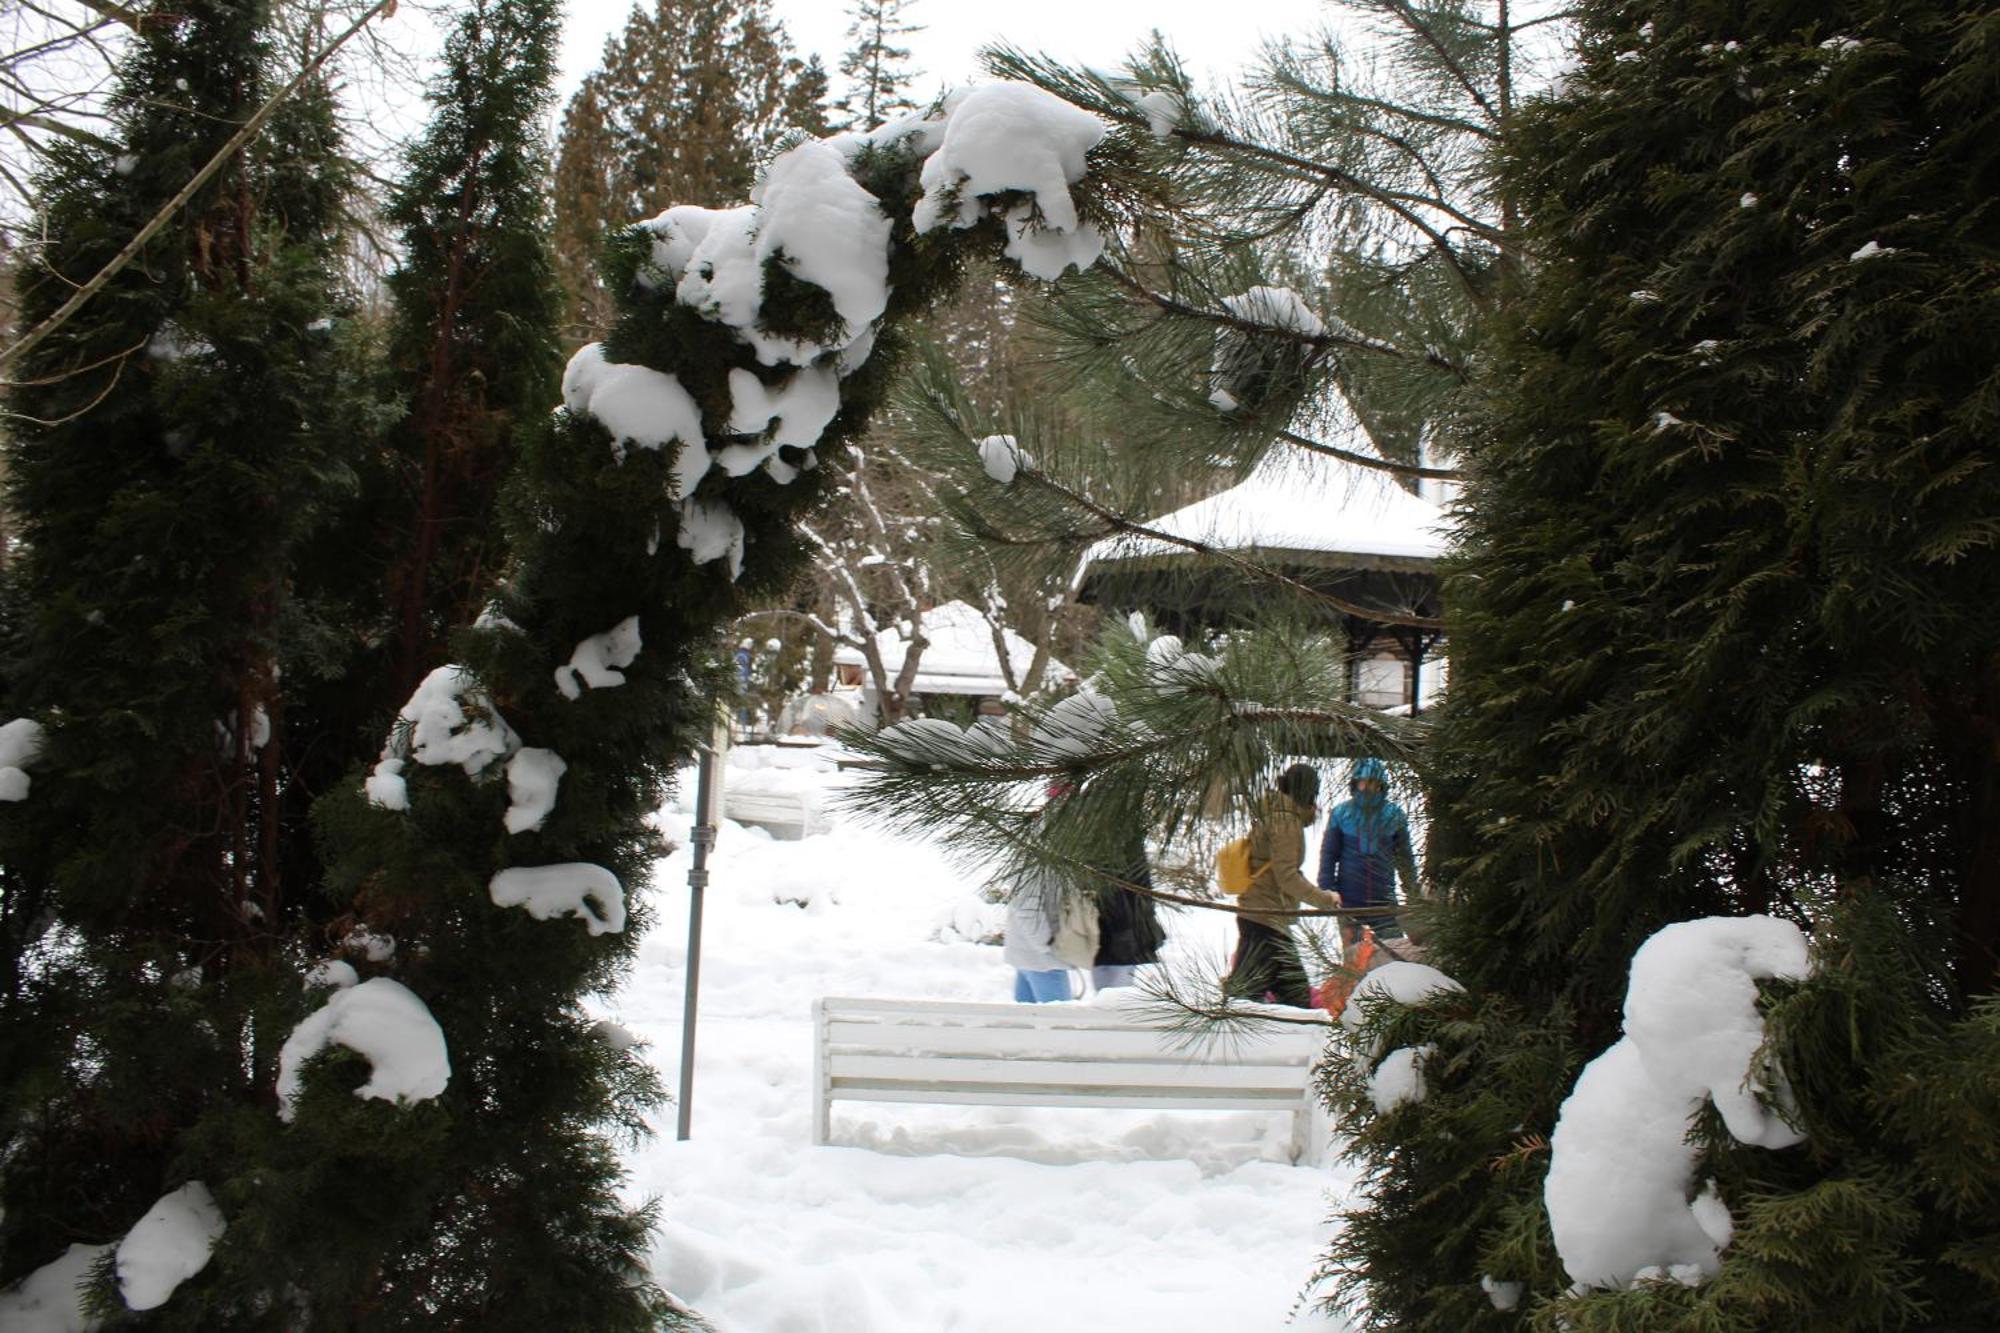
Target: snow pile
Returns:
[[1007, 137], [50, 1299], [599, 660], [1621, 1172], [979, 1219], [532, 775], [167, 1246], [1164, 111], [386, 1023], [568, 889], [20, 745]]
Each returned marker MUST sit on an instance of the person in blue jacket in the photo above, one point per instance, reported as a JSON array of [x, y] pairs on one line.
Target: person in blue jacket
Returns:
[[1365, 848]]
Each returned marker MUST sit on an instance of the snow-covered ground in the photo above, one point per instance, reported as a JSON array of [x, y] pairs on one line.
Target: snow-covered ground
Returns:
[[923, 1219]]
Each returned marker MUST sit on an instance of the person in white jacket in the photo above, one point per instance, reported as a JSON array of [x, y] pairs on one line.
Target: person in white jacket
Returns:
[[1033, 911]]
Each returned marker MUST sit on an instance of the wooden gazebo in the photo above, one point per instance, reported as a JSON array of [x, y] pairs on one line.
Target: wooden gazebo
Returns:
[[1349, 533]]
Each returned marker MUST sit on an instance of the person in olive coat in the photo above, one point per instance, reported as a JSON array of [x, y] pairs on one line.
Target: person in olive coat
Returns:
[[1267, 965]]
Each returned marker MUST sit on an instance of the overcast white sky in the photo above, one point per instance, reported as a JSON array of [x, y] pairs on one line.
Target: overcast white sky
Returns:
[[1214, 38]]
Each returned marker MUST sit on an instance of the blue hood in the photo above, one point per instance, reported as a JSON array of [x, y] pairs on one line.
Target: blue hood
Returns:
[[1369, 768]]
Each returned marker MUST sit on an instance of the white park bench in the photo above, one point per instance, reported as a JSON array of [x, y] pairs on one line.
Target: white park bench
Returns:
[[941, 1051]]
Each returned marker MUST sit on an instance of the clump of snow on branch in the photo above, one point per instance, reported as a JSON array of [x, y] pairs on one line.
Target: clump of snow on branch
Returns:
[[1277, 308], [50, 1299], [20, 745], [573, 888], [448, 720], [1395, 983], [1399, 1079], [1504, 1295], [387, 1024], [599, 660], [1074, 727], [335, 973], [1002, 456], [1163, 110], [1621, 1172], [1008, 137], [532, 777], [167, 1246], [793, 413], [711, 532], [638, 406]]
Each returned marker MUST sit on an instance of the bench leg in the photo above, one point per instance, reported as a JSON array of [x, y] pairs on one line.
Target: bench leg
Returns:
[[1312, 1133], [822, 1093]]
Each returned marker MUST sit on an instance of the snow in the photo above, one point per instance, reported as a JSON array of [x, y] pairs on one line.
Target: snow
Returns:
[[386, 1023], [1314, 503], [335, 972], [709, 531], [167, 1246], [1621, 1171], [1504, 1295], [1002, 456], [920, 1218], [570, 888], [802, 407], [1397, 983], [532, 775], [1276, 307], [1872, 250], [1164, 111], [1075, 726], [50, 1299], [829, 231], [451, 721], [1399, 1079], [1003, 137], [20, 745], [598, 661], [638, 406], [961, 657], [385, 785]]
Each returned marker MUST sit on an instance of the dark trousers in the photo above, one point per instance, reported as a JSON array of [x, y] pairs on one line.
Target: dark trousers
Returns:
[[1267, 966]]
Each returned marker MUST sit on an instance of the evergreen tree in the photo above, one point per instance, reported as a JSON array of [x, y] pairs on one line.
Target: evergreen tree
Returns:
[[876, 68], [476, 304], [690, 97], [1722, 645], [172, 445]]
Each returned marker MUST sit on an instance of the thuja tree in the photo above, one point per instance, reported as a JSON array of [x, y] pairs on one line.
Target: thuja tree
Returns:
[[170, 445], [1722, 646], [503, 827]]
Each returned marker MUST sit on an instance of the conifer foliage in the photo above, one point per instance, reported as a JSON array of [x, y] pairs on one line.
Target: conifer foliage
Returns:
[[877, 70], [690, 97], [1723, 645], [172, 445]]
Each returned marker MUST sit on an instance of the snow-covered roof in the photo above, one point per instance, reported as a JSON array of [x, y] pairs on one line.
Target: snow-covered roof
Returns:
[[1298, 502], [960, 658]]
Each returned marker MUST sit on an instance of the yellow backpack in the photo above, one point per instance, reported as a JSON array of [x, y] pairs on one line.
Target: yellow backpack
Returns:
[[1232, 867]]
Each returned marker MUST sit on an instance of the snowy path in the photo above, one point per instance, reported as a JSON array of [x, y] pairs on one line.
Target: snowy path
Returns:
[[930, 1219]]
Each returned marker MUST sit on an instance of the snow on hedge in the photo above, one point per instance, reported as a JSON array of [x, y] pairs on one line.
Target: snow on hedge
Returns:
[[50, 1299], [167, 1246], [1399, 1079], [810, 219], [20, 745], [1005, 137], [573, 888], [599, 660], [532, 776], [448, 720], [387, 1024], [1621, 1191], [1396, 983]]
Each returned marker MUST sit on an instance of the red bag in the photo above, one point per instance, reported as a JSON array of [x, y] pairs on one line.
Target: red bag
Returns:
[[1331, 994]]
